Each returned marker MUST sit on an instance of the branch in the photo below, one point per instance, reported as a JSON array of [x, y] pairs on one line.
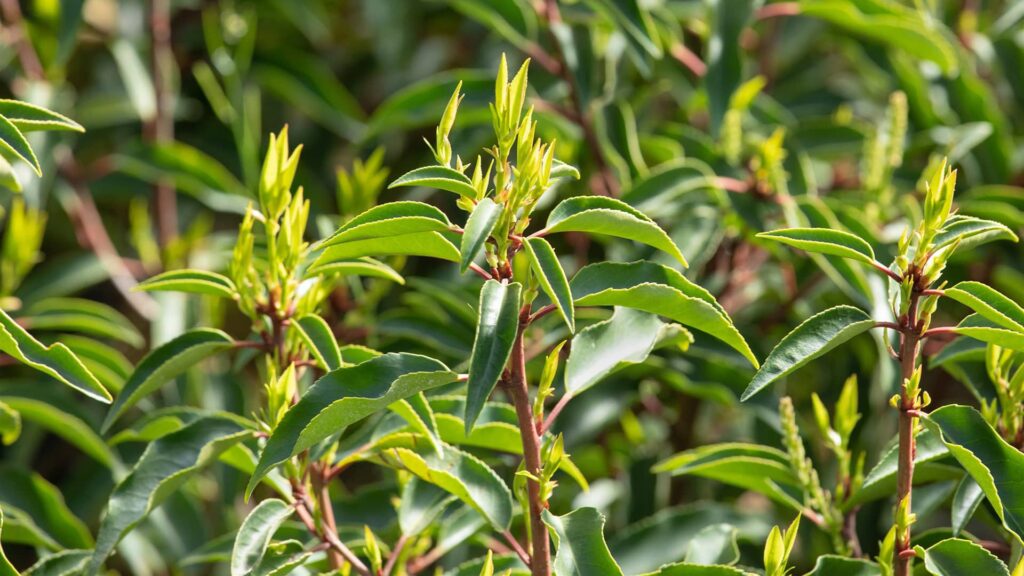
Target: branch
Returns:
[[687, 58], [480, 271]]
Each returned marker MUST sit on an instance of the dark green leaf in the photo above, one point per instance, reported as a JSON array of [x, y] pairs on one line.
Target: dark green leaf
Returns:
[[14, 144], [255, 533], [579, 539], [495, 336], [29, 117], [839, 566], [478, 229], [319, 338], [440, 177], [824, 241], [956, 557], [989, 304], [549, 273], [194, 281], [391, 219], [84, 316]]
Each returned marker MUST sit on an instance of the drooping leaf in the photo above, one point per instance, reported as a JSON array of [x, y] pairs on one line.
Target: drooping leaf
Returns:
[[255, 533], [478, 228], [611, 217], [391, 219], [192, 281], [579, 539], [13, 144], [824, 241], [67, 426], [344, 397], [167, 362], [971, 232], [495, 336], [659, 290], [548, 270], [319, 338], [996, 466], [84, 316], [428, 244], [37, 514], [813, 338], [988, 303], [161, 470], [29, 117], [440, 177], [461, 475], [958, 557], [55, 360], [977, 327]]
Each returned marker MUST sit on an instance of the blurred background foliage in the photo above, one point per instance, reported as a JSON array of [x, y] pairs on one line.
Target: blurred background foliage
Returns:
[[719, 118]]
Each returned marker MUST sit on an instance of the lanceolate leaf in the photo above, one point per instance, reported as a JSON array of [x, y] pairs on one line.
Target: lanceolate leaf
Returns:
[[165, 363], [69, 427], [84, 316], [37, 514], [478, 228], [824, 241], [814, 337], [603, 215], [495, 335], [10, 424], [439, 177], [829, 565], [13, 143], [255, 533], [626, 338], [880, 482], [391, 219], [685, 569], [429, 244], [989, 303], [957, 557], [966, 499], [659, 290], [193, 281], [462, 475], [320, 340], [55, 360], [552, 279], [165, 465], [979, 328], [29, 117], [971, 232], [6, 569], [357, 267], [344, 397], [416, 411], [63, 563], [996, 466], [579, 539]]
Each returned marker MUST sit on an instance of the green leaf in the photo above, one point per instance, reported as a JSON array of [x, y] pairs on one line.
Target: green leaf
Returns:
[[749, 466], [462, 475], [829, 565], [496, 331], [13, 143], [391, 219], [422, 503], [988, 303], [161, 470], [55, 360], [344, 397], [192, 281], [63, 563], [10, 424], [628, 337], [29, 117], [813, 338], [416, 411], [725, 57], [6, 569], [440, 177], [684, 569], [966, 499], [715, 544], [880, 482], [579, 539], [319, 338], [956, 557], [167, 362], [478, 228], [359, 267], [551, 276], [69, 427], [611, 217], [429, 244], [659, 290], [824, 241], [84, 316], [979, 328], [37, 514], [971, 232], [192, 171], [255, 533], [996, 466]]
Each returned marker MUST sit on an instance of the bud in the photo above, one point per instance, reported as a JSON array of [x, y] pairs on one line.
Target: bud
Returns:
[[442, 146]]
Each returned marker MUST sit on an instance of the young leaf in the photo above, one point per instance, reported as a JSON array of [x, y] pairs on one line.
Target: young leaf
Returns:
[[192, 281], [255, 534], [611, 217], [10, 424], [626, 338], [989, 303], [579, 539], [13, 143], [814, 337], [165, 363], [957, 557], [318, 337], [659, 290], [55, 360], [971, 232], [977, 327], [996, 466], [439, 177], [478, 228], [824, 241], [461, 475], [165, 465], [344, 397], [552, 279], [29, 117], [495, 335], [391, 219], [429, 244]]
